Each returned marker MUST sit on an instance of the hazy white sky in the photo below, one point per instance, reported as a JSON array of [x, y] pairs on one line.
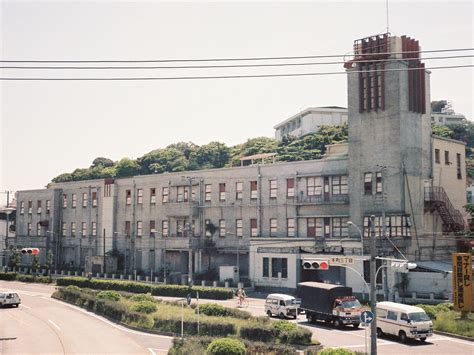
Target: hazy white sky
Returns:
[[48, 128]]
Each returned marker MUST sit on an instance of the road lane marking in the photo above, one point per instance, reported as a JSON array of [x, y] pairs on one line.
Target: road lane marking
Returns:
[[23, 306], [451, 339], [57, 327], [152, 351]]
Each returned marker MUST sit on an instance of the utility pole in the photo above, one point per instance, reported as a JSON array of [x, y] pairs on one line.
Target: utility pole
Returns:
[[8, 217], [373, 301], [103, 247], [190, 229]]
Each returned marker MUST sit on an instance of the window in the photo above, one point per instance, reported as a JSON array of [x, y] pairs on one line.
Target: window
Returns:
[[395, 226], [458, 165], [63, 229], [265, 267], [94, 199], [164, 228], [253, 190], [128, 197], [152, 196], [314, 186], [94, 229], [139, 196], [30, 207], [273, 227], [165, 194], [22, 207], [273, 189], [368, 183], [239, 186], [381, 313], [290, 227], [193, 193], [238, 228], [83, 229], [339, 227], [73, 229], [139, 228], [290, 187], [207, 192], [38, 209], [222, 228], [28, 232], [437, 159], [446, 157], [182, 194], [378, 183], [207, 223], [253, 227], [64, 200], [371, 87], [74, 201], [38, 229], [127, 228], [84, 199], [221, 192], [314, 227], [152, 228], [404, 317], [392, 315], [280, 265], [48, 206], [339, 185], [180, 227]]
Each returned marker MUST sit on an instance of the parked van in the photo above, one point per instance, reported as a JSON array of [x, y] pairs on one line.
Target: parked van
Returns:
[[9, 299], [281, 305], [404, 321]]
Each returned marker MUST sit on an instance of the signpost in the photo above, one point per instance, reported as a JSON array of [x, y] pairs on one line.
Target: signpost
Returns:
[[462, 282], [341, 260], [366, 317]]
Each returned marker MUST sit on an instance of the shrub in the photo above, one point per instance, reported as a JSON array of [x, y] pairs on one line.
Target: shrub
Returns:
[[226, 346], [429, 309], [212, 309], [284, 325], [136, 319], [144, 307], [258, 332], [336, 351], [142, 297], [110, 309], [209, 327], [7, 276], [190, 346], [109, 295], [444, 307], [257, 347], [451, 323], [298, 335], [74, 288]]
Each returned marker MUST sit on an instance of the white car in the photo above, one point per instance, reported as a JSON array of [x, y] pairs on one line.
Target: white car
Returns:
[[281, 305], [9, 299]]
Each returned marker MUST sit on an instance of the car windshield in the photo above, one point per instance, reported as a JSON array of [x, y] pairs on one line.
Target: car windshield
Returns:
[[290, 302], [351, 304], [418, 317]]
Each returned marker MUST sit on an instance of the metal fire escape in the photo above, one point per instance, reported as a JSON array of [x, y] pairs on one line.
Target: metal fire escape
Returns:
[[436, 199]]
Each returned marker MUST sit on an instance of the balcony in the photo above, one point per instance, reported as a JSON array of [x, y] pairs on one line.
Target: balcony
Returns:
[[180, 209], [320, 199]]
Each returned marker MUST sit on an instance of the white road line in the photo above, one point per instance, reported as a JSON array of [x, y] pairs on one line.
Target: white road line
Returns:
[[57, 327], [152, 351], [451, 339], [23, 306]]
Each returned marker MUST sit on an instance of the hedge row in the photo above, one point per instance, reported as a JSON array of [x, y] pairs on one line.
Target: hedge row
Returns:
[[282, 331], [12, 276], [216, 310], [140, 287]]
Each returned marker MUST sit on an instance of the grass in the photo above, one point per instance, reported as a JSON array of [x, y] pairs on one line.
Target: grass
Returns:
[[450, 322]]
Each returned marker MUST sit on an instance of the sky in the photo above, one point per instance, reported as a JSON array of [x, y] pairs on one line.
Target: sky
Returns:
[[51, 127]]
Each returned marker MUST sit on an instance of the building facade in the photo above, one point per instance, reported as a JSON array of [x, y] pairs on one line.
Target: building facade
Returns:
[[269, 219]]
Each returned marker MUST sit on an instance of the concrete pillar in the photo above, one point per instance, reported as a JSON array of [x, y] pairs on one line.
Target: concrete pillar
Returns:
[[147, 278], [105, 276], [76, 273], [113, 276], [240, 285], [121, 277], [69, 273], [431, 296], [138, 278], [413, 295], [130, 277], [97, 275], [214, 283], [156, 278], [226, 284], [203, 282]]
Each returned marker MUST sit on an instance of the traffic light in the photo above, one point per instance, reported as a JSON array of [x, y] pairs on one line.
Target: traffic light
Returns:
[[29, 251], [402, 266], [315, 264]]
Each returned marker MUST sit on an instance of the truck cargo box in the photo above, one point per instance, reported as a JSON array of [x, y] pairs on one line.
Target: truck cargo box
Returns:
[[319, 297]]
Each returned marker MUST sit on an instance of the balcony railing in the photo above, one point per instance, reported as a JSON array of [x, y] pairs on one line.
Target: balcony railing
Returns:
[[438, 200]]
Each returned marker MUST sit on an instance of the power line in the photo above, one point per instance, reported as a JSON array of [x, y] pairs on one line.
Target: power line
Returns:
[[227, 76], [232, 59], [227, 66]]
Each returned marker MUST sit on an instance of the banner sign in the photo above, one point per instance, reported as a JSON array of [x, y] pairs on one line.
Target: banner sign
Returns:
[[462, 282]]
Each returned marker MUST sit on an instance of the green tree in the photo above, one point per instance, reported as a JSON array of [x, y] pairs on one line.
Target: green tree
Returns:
[[127, 167], [212, 155], [226, 346], [168, 159], [63, 178], [49, 260], [251, 147], [441, 131], [103, 162], [81, 174], [35, 264], [438, 106], [15, 258]]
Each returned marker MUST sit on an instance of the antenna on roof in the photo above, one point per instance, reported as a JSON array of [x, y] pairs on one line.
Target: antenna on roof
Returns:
[[386, 6]]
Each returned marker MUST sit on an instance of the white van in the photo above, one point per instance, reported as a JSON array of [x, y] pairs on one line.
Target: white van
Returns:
[[406, 322], [281, 305], [9, 299]]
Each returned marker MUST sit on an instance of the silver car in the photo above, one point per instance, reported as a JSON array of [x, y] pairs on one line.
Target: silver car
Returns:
[[9, 299]]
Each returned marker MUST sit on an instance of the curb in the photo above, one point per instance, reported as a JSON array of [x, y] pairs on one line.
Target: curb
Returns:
[[454, 335]]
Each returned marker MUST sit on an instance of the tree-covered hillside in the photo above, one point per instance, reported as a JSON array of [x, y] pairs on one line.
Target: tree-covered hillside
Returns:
[[185, 156]]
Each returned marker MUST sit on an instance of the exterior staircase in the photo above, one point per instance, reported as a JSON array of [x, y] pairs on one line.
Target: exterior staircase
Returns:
[[436, 199]]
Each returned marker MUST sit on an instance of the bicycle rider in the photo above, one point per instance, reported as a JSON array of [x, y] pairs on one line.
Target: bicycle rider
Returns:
[[241, 295]]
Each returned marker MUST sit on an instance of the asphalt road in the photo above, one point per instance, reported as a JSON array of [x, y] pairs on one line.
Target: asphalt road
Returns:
[[42, 325]]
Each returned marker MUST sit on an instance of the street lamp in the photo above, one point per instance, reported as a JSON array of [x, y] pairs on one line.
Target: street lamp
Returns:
[[350, 223]]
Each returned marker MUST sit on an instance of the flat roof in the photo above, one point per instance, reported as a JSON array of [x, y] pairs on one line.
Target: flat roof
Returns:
[[312, 109], [281, 295], [399, 306]]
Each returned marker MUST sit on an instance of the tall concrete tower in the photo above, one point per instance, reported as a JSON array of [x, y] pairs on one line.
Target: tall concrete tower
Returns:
[[389, 136]]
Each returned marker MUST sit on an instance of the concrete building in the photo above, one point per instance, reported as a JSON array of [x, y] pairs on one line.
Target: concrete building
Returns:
[[310, 120], [268, 219], [446, 118]]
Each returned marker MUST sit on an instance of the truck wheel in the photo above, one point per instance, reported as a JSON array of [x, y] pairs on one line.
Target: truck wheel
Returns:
[[379, 333], [282, 316], [337, 323], [422, 340], [269, 313], [403, 336], [356, 325], [310, 318]]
